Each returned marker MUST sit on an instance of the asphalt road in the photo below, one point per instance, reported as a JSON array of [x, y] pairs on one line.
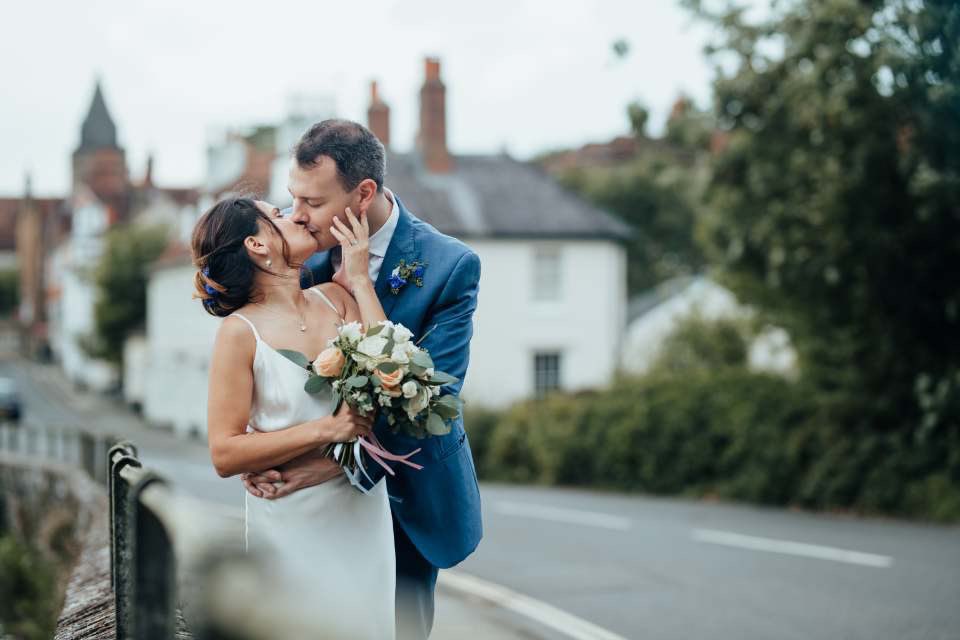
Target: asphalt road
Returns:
[[645, 567]]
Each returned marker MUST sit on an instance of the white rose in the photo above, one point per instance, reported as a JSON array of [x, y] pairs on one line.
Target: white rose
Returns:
[[372, 346], [401, 334], [409, 389], [399, 354], [419, 402], [352, 331]]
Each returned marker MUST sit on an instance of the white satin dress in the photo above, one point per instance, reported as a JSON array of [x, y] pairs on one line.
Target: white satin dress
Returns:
[[334, 542]]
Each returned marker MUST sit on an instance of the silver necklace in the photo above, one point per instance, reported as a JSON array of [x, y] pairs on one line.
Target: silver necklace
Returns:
[[301, 316]]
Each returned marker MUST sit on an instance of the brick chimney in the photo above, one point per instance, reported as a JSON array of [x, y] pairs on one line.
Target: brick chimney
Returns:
[[378, 116], [432, 138]]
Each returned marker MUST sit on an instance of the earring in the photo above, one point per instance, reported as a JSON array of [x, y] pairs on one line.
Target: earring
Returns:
[[269, 262]]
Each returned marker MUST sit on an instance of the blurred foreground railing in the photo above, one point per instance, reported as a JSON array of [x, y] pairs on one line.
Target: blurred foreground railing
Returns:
[[171, 553], [160, 539]]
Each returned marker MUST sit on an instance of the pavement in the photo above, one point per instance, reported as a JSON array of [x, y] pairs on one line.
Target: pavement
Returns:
[[567, 563]]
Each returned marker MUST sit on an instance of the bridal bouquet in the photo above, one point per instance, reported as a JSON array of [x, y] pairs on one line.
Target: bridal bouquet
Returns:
[[380, 369]]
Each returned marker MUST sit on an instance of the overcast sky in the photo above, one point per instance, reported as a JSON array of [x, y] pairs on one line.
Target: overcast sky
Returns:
[[521, 75]]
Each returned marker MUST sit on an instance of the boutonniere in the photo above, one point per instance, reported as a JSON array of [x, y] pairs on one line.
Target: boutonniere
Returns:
[[404, 272]]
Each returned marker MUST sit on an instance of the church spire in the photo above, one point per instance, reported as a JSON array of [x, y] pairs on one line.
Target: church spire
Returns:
[[98, 130]]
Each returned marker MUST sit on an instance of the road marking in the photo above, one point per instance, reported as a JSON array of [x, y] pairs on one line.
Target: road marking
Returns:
[[567, 624], [787, 547], [557, 514]]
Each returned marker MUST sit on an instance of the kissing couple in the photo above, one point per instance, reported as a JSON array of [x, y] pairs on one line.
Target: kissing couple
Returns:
[[348, 250]]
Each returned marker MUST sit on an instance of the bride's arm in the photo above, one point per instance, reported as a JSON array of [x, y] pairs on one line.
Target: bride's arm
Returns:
[[232, 449]]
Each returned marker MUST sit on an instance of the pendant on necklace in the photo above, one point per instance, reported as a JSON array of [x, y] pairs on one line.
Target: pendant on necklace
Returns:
[[303, 327]]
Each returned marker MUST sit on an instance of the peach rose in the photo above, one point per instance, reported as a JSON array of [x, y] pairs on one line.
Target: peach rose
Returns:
[[329, 363], [390, 380]]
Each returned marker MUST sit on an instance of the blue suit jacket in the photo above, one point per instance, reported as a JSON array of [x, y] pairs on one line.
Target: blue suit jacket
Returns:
[[439, 506]]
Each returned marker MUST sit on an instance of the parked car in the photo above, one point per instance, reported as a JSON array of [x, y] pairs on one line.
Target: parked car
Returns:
[[11, 406]]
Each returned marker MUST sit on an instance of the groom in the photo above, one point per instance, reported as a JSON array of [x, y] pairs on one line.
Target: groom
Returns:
[[436, 511]]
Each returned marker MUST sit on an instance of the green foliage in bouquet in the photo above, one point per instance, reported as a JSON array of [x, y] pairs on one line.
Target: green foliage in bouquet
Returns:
[[382, 370]]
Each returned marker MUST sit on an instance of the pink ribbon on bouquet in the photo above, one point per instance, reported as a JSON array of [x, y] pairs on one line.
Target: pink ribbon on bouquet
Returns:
[[378, 453]]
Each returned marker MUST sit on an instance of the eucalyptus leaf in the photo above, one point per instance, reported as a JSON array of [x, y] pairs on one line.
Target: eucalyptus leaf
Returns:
[[436, 426], [295, 357], [422, 358], [445, 411], [356, 381], [388, 367], [374, 330], [440, 377], [415, 369], [316, 384], [388, 347], [450, 400]]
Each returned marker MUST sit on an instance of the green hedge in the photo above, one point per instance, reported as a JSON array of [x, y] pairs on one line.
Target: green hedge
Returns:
[[28, 607], [718, 431]]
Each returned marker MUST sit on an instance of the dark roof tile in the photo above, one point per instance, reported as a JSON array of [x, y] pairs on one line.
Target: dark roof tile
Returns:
[[497, 196]]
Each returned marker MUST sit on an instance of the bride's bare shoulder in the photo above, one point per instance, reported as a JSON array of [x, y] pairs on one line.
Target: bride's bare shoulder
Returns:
[[235, 334], [336, 294]]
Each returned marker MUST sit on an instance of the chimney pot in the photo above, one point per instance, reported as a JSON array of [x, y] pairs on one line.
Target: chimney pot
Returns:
[[378, 115], [432, 138], [432, 69]]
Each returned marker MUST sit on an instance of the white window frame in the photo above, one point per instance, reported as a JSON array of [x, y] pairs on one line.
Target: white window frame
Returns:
[[542, 377], [547, 274]]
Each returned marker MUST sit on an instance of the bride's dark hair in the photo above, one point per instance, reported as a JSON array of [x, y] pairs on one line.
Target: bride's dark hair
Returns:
[[225, 275]]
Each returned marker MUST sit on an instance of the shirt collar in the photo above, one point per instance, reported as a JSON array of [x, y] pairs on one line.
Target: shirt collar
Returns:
[[380, 241]]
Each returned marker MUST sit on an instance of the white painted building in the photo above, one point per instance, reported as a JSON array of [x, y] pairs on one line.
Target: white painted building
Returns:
[[71, 311], [179, 340], [544, 322], [552, 304], [655, 315]]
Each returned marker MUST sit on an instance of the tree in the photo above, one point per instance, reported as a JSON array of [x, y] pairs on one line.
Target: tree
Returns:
[[121, 279], [638, 115], [652, 196], [9, 291], [835, 206]]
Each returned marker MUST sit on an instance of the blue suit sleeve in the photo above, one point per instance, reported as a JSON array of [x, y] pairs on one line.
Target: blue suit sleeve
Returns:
[[451, 320]]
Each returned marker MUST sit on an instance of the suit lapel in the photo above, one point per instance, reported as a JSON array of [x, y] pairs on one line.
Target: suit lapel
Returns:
[[403, 246]]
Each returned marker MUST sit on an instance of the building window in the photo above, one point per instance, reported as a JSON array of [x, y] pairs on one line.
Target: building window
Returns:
[[547, 274], [546, 373]]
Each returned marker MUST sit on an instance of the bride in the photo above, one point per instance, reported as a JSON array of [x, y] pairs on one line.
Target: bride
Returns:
[[334, 543]]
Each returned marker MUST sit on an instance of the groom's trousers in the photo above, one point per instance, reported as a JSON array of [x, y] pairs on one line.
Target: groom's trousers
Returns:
[[416, 581]]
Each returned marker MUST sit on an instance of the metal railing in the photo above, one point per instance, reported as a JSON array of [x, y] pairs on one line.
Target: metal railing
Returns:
[[169, 550], [68, 445], [162, 541]]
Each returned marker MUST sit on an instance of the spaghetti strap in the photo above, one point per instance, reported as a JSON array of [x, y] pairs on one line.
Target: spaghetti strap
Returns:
[[327, 300], [256, 334]]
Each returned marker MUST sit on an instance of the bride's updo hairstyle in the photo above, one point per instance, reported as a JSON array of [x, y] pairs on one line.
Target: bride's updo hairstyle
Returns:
[[225, 275]]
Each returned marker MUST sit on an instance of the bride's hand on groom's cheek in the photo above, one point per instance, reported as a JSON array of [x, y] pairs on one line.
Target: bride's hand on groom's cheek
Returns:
[[355, 244]]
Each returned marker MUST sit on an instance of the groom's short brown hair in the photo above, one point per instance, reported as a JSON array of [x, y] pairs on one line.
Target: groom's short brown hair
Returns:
[[357, 153]]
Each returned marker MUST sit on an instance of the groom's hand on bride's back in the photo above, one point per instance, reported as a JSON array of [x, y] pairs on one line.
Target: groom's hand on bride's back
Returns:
[[306, 471]]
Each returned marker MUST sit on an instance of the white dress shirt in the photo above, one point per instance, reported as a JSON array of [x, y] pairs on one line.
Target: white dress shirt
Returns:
[[379, 242]]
